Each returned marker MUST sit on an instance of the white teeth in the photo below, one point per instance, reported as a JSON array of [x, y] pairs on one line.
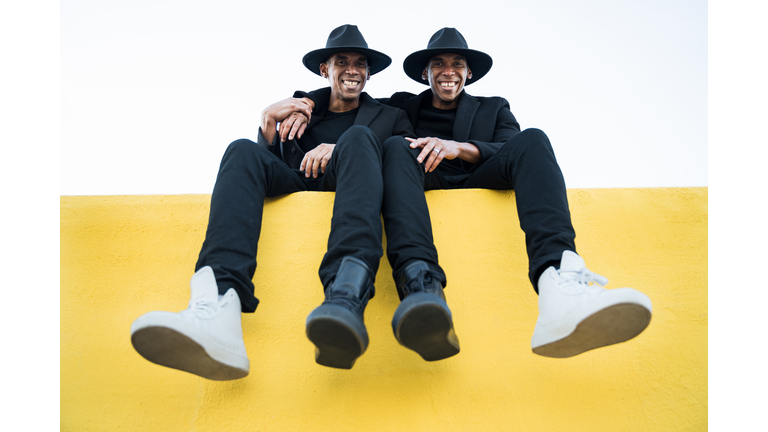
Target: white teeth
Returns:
[[350, 83], [448, 84]]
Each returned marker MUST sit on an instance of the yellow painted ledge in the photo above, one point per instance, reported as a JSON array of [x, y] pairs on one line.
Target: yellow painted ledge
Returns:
[[122, 256]]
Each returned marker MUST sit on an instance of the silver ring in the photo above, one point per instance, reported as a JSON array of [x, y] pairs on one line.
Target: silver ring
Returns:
[[437, 152]]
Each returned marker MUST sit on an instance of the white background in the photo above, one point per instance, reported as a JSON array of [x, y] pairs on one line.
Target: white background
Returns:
[[45, 139], [153, 91]]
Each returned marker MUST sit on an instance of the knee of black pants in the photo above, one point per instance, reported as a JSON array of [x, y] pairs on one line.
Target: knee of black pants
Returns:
[[243, 150], [244, 157], [533, 134], [359, 139], [238, 147], [400, 148], [527, 140]]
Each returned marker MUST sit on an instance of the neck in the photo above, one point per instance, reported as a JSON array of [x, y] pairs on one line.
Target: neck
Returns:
[[339, 105], [444, 105]]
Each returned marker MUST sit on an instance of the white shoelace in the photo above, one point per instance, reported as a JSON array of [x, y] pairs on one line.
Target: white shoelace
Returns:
[[205, 308], [583, 277]]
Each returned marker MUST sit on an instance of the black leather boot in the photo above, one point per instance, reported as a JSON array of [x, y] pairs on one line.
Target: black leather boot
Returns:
[[336, 327], [423, 321]]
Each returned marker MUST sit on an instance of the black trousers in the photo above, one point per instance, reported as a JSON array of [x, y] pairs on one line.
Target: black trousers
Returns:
[[527, 164], [372, 181]]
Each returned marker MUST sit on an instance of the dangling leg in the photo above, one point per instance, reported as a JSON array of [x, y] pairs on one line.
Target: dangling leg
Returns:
[[574, 314], [337, 327], [207, 338], [422, 322]]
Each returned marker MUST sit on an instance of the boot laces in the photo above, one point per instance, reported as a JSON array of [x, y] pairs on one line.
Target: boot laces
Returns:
[[420, 283], [349, 302], [206, 308], [582, 279]]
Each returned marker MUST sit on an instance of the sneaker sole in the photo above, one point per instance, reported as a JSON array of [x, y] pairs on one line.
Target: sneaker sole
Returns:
[[609, 326], [338, 344], [427, 328], [167, 347]]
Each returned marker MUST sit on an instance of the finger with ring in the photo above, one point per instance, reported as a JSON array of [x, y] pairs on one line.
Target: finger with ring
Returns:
[[437, 152]]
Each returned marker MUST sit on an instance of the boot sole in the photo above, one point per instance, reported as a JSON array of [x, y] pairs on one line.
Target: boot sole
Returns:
[[338, 342], [427, 328], [612, 325], [167, 347]]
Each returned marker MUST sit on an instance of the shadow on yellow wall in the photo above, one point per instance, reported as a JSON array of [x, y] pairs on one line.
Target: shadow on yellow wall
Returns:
[[122, 256]]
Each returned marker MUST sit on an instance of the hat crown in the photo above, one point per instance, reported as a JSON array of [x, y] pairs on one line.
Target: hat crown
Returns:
[[447, 37], [346, 36]]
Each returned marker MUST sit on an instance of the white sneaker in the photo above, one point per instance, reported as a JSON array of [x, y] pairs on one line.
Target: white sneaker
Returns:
[[206, 339], [577, 315]]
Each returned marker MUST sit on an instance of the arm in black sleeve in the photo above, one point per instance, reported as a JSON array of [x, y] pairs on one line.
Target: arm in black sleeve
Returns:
[[397, 99], [320, 97], [323, 94], [273, 147], [506, 127], [403, 126]]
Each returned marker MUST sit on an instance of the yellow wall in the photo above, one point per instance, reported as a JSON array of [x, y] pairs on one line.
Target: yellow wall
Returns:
[[122, 256]]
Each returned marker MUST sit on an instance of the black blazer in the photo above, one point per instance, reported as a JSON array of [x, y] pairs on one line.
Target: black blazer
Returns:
[[485, 122], [384, 121]]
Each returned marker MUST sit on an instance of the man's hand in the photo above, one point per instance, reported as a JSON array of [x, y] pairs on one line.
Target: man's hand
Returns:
[[434, 150], [317, 158], [279, 111], [293, 126]]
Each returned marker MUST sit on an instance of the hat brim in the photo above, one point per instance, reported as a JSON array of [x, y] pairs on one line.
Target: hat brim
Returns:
[[479, 63], [377, 61]]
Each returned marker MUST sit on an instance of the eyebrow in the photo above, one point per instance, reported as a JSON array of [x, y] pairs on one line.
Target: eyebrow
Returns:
[[343, 57], [458, 57]]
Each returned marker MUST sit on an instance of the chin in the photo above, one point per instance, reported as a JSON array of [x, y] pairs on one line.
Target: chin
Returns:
[[350, 98]]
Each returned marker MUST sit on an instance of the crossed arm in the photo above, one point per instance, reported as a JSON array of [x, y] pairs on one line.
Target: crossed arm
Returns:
[[284, 111], [293, 115]]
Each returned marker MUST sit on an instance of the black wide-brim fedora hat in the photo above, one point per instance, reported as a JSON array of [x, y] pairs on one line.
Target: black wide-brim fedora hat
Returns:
[[346, 38], [447, 40]]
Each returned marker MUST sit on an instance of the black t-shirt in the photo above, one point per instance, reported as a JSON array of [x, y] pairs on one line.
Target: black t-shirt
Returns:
[[438, 123], [329, 130]]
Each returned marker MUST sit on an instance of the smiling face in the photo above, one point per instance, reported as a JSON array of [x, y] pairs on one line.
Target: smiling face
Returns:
[[446, 74], [347, 73]]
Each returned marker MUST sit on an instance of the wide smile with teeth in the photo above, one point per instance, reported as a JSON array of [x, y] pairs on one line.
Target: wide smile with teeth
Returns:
[[448, 85], [350, 83]]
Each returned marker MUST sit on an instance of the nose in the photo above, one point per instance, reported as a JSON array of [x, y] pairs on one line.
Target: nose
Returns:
[[352, 70], [448, 71]]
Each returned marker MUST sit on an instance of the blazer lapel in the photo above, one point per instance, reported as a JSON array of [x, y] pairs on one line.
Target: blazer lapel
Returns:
[[368, 111], [317, 117], [465, 113], [413, 105]]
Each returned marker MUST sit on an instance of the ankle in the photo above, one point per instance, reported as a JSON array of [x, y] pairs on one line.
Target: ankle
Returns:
[[540, 271]]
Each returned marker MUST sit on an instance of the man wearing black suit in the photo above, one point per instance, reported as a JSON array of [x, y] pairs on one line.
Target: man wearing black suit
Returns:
[[476, 142], [347, 148]]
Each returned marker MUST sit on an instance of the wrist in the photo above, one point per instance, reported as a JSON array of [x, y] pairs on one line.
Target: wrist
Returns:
[[469, 152], [268, 129], [268, 123], [309, 102]]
